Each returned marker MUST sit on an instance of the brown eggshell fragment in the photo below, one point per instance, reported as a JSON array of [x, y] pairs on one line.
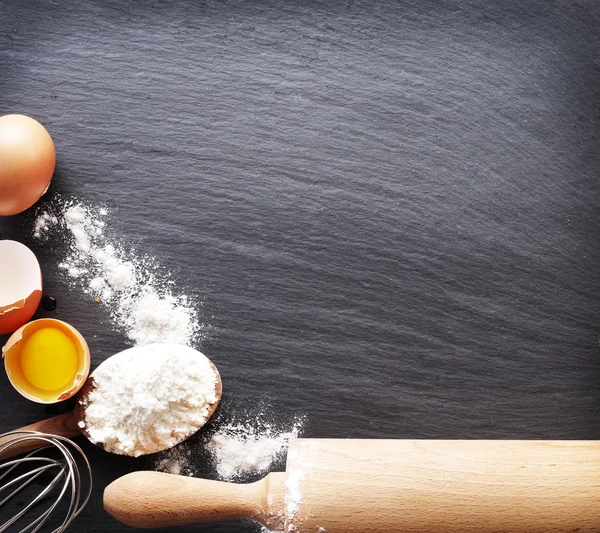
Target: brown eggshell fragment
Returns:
[[20, 285]]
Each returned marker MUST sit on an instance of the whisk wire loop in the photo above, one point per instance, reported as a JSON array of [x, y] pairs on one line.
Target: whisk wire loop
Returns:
[[67, 483]]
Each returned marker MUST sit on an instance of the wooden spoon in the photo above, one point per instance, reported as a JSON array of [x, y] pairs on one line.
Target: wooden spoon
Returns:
[[74, 423]]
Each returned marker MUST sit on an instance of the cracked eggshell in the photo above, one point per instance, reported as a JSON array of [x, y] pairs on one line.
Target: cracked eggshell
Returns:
[[20, 285], [11, 352]]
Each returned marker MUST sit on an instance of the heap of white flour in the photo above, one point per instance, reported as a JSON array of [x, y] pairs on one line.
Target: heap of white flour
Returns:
[[149, 398], [241, 449]]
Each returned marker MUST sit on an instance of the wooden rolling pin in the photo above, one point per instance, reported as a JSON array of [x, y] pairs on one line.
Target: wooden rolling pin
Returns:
[[383, 486]]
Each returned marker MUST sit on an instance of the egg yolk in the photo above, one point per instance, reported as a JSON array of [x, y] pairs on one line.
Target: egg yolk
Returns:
[[49, 359]]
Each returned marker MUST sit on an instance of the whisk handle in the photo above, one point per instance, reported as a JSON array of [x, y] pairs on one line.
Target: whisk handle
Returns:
[[64, 425]]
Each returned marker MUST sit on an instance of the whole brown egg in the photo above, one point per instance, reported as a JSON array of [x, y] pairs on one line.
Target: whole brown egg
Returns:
[[27, 159]]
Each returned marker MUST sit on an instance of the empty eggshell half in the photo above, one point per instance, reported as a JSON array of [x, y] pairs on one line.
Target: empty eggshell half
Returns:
[[20, 285]]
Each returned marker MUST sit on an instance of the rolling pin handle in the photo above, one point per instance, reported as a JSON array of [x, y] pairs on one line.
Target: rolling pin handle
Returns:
[[155, 499]]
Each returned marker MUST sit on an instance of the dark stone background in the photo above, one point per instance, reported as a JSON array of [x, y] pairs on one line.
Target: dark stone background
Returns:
[[389, 210]]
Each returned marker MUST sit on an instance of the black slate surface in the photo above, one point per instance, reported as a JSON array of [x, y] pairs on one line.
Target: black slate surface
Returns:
[[388, 210]]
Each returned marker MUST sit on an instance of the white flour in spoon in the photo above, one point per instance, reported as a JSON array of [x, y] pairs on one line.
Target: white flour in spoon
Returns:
[[148, 398], [141, 301]]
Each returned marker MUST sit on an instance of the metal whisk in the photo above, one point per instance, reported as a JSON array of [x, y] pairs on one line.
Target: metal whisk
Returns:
[[65, 479]]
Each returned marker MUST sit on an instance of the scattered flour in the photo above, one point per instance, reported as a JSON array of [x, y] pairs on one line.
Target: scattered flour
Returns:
[[239, 449], [177, 461], [293, 496], [147, 399], [128, 285], [154, 318]]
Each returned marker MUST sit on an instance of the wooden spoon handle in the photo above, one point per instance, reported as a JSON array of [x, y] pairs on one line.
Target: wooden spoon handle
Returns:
[[64, 425], [154, 499]]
